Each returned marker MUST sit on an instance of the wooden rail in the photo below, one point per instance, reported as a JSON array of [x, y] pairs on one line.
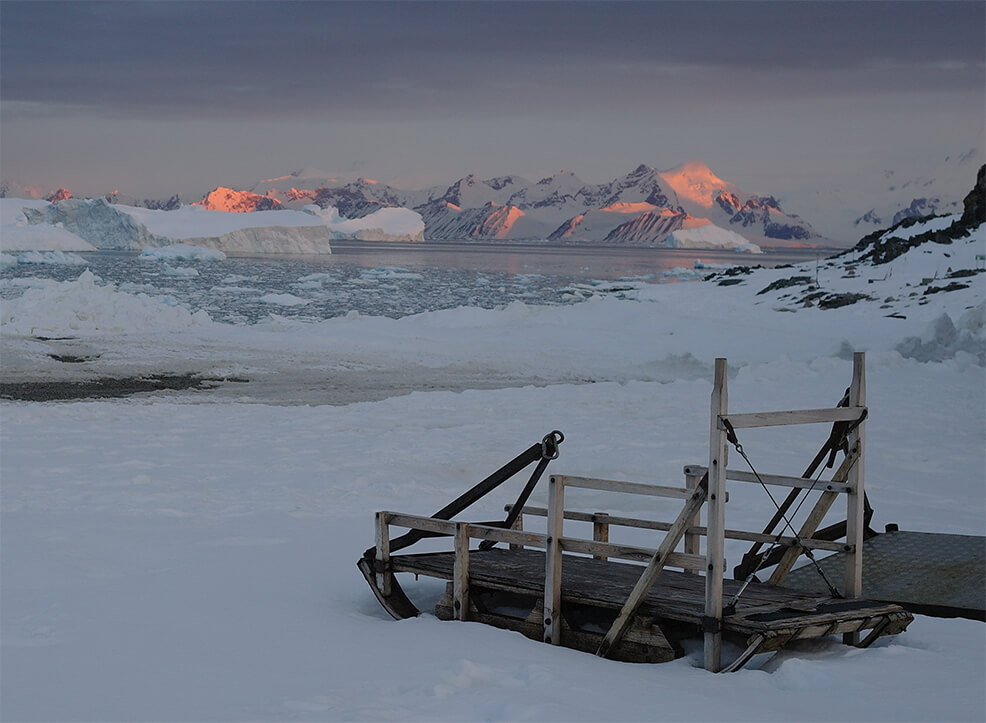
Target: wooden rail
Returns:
[[607, 520], [475, 531], [738, 475], [795, 416], [705, 486]]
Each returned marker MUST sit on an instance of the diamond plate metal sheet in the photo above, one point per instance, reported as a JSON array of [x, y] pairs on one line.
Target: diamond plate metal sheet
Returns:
[[926, 572]]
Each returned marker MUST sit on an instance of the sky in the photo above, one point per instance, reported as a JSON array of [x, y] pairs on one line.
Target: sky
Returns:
[[155, 98]]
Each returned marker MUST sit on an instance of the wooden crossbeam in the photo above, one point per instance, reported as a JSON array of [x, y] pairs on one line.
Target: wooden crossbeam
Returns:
[[813, 520], [794, 416], [654, 567]]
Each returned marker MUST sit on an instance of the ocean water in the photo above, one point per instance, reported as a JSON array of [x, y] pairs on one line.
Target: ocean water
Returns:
[[391, 280]]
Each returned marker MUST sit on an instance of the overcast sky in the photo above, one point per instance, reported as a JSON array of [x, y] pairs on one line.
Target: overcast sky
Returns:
[[154, 98]]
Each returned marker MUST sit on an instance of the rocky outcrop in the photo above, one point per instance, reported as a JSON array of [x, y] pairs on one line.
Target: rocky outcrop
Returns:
[[882, 246]]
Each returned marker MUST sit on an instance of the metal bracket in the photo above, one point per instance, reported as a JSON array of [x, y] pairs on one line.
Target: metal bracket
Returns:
[[711, 625]]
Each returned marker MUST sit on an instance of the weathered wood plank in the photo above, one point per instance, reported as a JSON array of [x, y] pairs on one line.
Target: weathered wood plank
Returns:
[[716, 521], [382, 542], [739, 475], [654, 567], [696, 530], [634, 488], [477, 531], [693, 538], [553, 561], [678, 597], [855, 513], [600, 530], [793, 416], [460, 572], [603, 550]]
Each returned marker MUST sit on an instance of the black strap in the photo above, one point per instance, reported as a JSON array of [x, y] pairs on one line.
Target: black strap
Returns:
[[545, 450]]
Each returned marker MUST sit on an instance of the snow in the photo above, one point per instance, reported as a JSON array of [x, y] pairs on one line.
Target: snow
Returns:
[[385, 224], [695, 182], [190, 556], [709, 236], [182, 252], [84, 306], [198, 222]]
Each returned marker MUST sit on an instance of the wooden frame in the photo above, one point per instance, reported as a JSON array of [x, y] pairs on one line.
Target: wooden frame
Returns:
[[848, 480], [703, 486]]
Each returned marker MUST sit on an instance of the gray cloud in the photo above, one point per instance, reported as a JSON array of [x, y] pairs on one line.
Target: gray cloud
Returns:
[[350, 60], [154, 97]]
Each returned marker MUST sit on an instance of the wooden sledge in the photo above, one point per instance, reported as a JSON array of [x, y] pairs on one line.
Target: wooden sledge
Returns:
[[594, 595]]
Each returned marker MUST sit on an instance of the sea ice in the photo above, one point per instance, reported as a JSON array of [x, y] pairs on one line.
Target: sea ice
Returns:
[[181, 252]]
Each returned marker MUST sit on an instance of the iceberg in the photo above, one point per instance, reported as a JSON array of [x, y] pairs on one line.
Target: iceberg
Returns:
[[385, 224], [18, 234], [710, 236], [127, 228]]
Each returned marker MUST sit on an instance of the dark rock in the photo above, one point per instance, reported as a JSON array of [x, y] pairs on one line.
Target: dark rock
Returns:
[[835, 301], [954, 286], [785, 283]]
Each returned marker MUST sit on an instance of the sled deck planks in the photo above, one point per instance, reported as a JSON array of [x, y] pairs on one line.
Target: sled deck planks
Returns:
[[598, 589]]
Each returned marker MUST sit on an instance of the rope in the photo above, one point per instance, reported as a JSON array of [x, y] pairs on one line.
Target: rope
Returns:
[[733, 440]]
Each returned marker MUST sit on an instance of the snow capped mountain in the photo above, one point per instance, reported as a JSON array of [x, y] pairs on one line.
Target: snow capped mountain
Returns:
[[870, 201], [696, 184], [702, 193], [226, 199], [639, 208]]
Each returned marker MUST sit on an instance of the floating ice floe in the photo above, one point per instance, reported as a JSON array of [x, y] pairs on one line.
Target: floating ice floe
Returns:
[[180, 272], [181, 252], [284, 300], [50, 258]]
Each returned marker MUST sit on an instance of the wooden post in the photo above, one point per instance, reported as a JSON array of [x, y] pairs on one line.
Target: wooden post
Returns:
[[714, 562], [518, 525], [384, 575], [600, 530], [855, 522], [460, 572], [553, 559], [693, 542]]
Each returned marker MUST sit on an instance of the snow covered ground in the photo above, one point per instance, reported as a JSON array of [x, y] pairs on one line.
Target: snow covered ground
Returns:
[[190, 555]]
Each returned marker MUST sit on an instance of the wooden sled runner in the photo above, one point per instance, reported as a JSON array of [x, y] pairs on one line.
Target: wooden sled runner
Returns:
[[594, 595]]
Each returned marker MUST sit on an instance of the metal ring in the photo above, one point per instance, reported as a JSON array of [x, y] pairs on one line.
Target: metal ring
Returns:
[[549, 444]]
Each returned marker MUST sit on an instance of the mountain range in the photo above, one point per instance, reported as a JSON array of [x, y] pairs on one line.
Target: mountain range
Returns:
[[641, 208]]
